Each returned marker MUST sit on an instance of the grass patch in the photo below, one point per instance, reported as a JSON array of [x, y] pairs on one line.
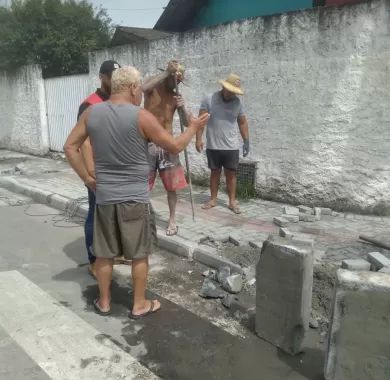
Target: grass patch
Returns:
[[246, 191]]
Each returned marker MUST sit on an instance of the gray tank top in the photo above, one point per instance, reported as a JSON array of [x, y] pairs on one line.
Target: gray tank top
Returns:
[[121, 154]]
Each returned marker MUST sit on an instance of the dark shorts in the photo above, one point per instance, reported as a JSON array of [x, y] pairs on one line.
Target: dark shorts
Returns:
[[127, 229], [228, 159]]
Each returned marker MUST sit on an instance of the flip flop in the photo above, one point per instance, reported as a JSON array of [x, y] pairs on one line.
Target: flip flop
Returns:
[[208, 206], [235, 209], [150, 311], [99, 310], [172, 231]]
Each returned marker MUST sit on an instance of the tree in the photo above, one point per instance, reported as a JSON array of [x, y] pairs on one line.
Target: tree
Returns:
[[55, 34]]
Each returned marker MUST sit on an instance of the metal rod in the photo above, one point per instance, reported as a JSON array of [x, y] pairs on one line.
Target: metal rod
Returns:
[[180, 112], [374, 241]]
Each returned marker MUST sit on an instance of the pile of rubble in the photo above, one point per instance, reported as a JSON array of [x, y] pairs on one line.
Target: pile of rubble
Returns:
[[224, 285]]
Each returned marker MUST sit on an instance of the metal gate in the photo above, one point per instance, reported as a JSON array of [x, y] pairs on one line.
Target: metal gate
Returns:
[[63, 98]]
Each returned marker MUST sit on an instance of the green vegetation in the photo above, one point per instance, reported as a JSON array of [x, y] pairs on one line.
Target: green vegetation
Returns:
[[55, 34]]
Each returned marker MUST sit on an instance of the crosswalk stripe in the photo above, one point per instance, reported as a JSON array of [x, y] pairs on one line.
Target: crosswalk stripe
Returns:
[[60, 342]]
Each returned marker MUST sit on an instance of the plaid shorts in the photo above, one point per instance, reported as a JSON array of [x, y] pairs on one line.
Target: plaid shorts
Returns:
[[169, 167]]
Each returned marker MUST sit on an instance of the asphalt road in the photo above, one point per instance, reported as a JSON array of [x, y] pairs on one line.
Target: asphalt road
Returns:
[[48, 328]]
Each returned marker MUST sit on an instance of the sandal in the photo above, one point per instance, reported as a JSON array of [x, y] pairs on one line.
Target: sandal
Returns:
[[150, 311], [235, 209], [99, 310], [208, 205], [172, 231]]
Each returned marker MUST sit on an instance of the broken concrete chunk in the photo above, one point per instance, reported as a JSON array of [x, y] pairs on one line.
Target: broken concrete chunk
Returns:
[[255, 244], [290, 210], [291, 218], [326, 211], [253, 281], [356, 265], [222, 274], [359, 344], [233, 284], [211, 290], [306, 210], [385, 270], [378, 260], [286, 233], [209, 273], [234, 241], [204, 239], [281, 222], [228, 300], [283, 293], [307, 218], [313, 323], [250, 273]]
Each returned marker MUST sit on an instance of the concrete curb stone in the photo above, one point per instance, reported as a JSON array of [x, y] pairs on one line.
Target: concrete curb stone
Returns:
[[208, 256], [176, 245]]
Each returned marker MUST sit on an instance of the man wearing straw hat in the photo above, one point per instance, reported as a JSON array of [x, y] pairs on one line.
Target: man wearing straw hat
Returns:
[[223, 147]]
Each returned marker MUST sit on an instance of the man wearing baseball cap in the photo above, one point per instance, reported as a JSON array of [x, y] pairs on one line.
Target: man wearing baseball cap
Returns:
[[223, 148], [100, 95]]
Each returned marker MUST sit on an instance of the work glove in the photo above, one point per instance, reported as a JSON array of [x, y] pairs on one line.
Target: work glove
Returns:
[[245, 148]]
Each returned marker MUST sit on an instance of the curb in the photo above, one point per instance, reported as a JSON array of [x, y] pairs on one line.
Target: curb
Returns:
[[174, 244], [54, 200], [208, 256]]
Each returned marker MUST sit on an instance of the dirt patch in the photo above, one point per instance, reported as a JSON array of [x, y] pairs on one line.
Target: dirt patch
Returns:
[[243, 255], [324, 280]]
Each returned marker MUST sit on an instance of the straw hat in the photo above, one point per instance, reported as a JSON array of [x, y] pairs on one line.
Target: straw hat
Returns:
[[233, 84]]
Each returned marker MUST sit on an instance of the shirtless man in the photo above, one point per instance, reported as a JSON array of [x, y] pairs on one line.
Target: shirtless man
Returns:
[[162, 102]]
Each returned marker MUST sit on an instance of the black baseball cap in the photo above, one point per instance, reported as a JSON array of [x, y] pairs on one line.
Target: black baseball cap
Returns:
[[107, 67]]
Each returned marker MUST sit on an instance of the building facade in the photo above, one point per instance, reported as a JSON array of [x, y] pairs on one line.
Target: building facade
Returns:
[[183, 15]]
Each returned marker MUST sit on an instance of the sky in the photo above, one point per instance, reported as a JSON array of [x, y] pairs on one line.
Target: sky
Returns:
[[136, 13]]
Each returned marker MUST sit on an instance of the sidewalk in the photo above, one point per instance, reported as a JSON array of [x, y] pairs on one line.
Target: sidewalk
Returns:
[[336, 237]]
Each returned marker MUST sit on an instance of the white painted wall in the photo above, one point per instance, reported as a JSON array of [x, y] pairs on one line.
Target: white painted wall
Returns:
[[317, 98], [23, 122], [63, 98]]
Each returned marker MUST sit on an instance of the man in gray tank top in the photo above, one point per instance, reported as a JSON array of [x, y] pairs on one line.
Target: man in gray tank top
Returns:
[[119, 131]]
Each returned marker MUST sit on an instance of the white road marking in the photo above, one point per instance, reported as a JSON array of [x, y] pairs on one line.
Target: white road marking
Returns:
[[60, 342]]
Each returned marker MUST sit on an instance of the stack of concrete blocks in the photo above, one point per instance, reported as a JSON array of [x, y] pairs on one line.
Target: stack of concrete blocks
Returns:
[[293, 214], [359, 335], [284, 279], [376, 262]]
